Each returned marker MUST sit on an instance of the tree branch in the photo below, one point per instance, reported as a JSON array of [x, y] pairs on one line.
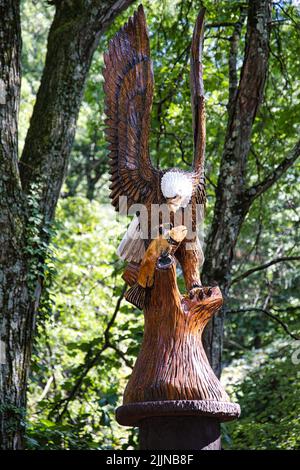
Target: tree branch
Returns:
[[229, 213], [258, 189], [220, 24], [121, 355], [10, 83], [264, 266], [268, 314], [233, 54]]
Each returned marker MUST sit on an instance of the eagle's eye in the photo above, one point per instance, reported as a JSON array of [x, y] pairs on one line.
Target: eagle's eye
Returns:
[[174, 198]]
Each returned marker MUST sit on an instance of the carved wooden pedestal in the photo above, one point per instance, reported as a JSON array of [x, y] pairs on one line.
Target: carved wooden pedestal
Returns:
[[173, 395]]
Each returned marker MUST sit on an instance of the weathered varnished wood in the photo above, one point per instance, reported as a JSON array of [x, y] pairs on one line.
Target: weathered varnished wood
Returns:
[[128, 89], [132, 414], [197, 95], [172, 364]]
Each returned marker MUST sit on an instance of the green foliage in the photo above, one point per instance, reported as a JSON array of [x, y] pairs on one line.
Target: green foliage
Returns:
[[71, 341], [269, 399], [36, 17], [40, 257], [15, 417]]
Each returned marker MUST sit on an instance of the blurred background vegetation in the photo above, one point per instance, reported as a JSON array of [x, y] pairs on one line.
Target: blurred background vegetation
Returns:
[[88, 337]]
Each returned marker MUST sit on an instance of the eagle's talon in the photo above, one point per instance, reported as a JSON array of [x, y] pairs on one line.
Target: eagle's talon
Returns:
[[196, 293], [200, 295]]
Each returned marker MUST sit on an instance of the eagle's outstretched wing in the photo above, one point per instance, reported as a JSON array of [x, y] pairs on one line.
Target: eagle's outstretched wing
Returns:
[[197, 95], [198, 107], [128, 88]]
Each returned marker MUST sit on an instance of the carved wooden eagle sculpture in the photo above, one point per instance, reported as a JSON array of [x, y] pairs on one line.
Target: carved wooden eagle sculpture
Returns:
[[128, 88]]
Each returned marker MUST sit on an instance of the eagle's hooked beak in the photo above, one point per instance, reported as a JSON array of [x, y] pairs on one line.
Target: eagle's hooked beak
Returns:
[[174, 203]]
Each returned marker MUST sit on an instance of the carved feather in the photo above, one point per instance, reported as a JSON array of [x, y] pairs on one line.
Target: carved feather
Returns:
[[132, 247], [128, 87]]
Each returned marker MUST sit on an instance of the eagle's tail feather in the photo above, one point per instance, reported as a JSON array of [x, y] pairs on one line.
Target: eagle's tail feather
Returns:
[[132, 247], [136, 296]]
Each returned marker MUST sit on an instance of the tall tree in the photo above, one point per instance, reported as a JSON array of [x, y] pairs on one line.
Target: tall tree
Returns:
[[30, 187], [233, 197]]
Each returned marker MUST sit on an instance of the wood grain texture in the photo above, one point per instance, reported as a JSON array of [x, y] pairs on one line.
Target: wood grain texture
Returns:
[[128, 88], [197, 95], [172, 364], [131, 272]]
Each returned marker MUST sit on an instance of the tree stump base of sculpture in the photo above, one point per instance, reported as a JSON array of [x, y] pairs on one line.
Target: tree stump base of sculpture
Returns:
[[173, 395]]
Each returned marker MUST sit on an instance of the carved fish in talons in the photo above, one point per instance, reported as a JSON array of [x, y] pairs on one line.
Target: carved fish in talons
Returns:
[[159, 253]]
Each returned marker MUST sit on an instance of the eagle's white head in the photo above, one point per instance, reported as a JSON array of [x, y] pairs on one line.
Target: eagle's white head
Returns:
[[177, 188]]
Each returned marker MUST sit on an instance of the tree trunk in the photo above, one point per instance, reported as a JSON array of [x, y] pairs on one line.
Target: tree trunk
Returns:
[[231, 204], [14, 295], [28, 199]]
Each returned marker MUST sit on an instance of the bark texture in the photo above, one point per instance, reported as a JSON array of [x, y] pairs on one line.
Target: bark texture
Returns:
[[29, 189], [232, 203], [15, 327]]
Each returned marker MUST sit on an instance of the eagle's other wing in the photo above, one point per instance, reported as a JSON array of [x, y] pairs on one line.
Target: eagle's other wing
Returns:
[[128, 88], [197, 95]]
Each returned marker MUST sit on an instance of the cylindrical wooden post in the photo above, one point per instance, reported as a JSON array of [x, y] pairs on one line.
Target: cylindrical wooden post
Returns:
[[173, 395], [180, 432]]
